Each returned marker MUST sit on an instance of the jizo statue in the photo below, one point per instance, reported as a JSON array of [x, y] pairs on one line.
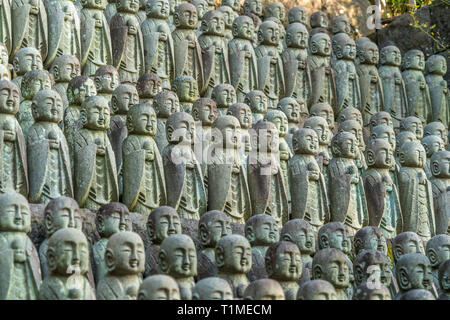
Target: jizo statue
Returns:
[[212, 288], [406, 242], [440, 182], [367, 291], [127, 42], [275, 9], [418, 294], [444, 277], [296, 111], [243, 113], [224, 95], [254, 9], [436, 68], [233, 4], [148, 86], [229, 15], [438, 251], [431, 144], [413, 271], [106, 79], [414, 125], [264, 289], [394, 91], [334, 235], [144, 188], [325, 111], [438, 129], [165, 103], [201, 6], [64, 69], [353, 126], [341, 24], [159, 287], [257, 101], [316, 290], [351, 113], [26, 59], [372, 266], [298, 14], [187, 90], [370, 238], [282, 33], [319, 22]]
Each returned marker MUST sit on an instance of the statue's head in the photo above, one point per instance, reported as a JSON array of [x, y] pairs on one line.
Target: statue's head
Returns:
[[318, 19], [279, 119], [201, 6], [265, 137], [354, 127], [367, 52], [159, 287], [243, 113], [27, 59], [305, 141], [165, 103], [60, 213], [264, 289], [228, 128], [64, 68], [413, 271], [316, 290], [185, 16], [79, 89], [157, 9], [257, 101], [301, 233], [95, 114], [127, 6], [148, 85], [15, 214], [243, 28], [106, 79], [123, 98], [432, 144], [331, 265], [414, 59], [297, 36], [414, 125], [234, 4], [344, 145], [233, 255], [212, 288], [9, 97], [262, 230], [372, 266], [320, 44], [34, 81], [368, 291], [444, 276], [47, 106], [224, 95], [113, 218], [350, 113], [401, 138], [213, 226], [162, 223], [390, 56], [333, 235], [381, 117], [438, 250], [412, 154], [341, 24], [253, 6], [320, 126], [436, 128], [205, 111], [186, 87], [298, 14], [283, 261], [370, 238], [439, 164], [344, 47], [93, 4], [275, 9], [141, 120], [293, 109], [68, 253], [213, 23], [406, 242], [269, 33], [418, 294], [325, 111], [180, 127], [436, 64], [177, 256], [228, 15], [379, 154]]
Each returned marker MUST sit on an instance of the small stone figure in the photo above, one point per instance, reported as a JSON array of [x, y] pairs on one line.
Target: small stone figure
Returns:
[[68, 263], [334, 235], [370, 238], [414, 125], [264, 289], [295, 112], [416, 197], [243, 113], [212, 288], [431, 144], [282, 33], [379, 118], [224, 95], [436, 68], [325, 111], [438, 251], [165, 103], [404, 243], [49, 170], [106, 80], [298, 14], [438, 129], [177, 258], [367, 291], [95, 173], [201, 6], [275, 9], [19, 261], [319, 23], [124, 259], [365, 264], [257, 101], [341, 24], [233, 4], [127, 42], [316, 290], [254, 9], [159, 287], [440, 182], [186, 89], [394, 91], [64, 69], [234, 261], [228, 15], [444, 276], [148, 86], [413, 271], [158, 42]]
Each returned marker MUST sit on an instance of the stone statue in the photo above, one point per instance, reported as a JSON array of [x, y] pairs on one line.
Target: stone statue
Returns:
[[417, 91], [106, 80], [431, 144], [296, 112], [370, 238], [341, 24], [297, 73], [372, 266], [414, 125], [212, 288], [325, 111], [227, 178], [334, 235], [307, 184], [284, 264], [242, 58], [216, 68], [436, 68], [438, 251], [19, 260], [111, 218], [270, 65], [158, 42], [416, 197], [224, 95], [282, 34], [264, 289], [68, 263], [127, 42], [186, 192], [404, 243], [124, 260], [187, 91], [159, 287], [266, 182], [253, 9], [64, 68], [110, 10], [418, 294], [29, 26], [316, 290], [165, 103], [233, 4], [257, 101], [96, 39], [178, 259], [368, 291], [261, 231], [234, 261], [298, 14], [413, 271], [438, 129], [444, 275], [95, 173], [394, 91], [331, 265], [201, 6], [347, 197], [26, 59], [275, 9], [319, 23], [188, 56], [379, 118], [49, 170], [243, 113], [13, 161], [229, 16], [440, 182]]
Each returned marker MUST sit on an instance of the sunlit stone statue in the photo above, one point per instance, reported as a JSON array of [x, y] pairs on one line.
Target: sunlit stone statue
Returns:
[[307, 185], [416, 197], [257, 101], [444, 276], [404, 243], [144, 188], [440, 182], [13, 161], [224, 95], [264, 289], [19, 261], [413, 271], [438, 251], [436, 68], [331, 265], [106, 80], [275, 9], [431, 144], [234, 261], [296, 111], [316, 290], [282, 34], [49, 170], [367, 291], [266, 182], [319, 23], [186, 191], [158, 42], [159, 287], [298, 14], [233, 4], [370, 238], [334, 235], [124, 259], [394, 91], [68, 263], [178, 259], [243, 113], [95, 173], [212, 288], [148, 86], [372, 266], [270, 65], [414, 125], [242, 58], [228, 15], [341, 24], [165, 103], [127, 42], [187, 91], [64, 69], [253, 9], [436, 128]]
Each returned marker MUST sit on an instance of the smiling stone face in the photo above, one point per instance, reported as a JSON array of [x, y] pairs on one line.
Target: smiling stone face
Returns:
[[331, 265], [15, 213], [177, 256], [125, 254], [243, 28], [305, 141], [185, 16], [95, 114], [47, 106], [213, 226], [283, 261], [106, 79], [9, 97], [123, 98], [233, 255], [141, 120], [27, 59], [113, 218], [60, 213], [413, 271], [213, 23], [269, 33], [205, 111]]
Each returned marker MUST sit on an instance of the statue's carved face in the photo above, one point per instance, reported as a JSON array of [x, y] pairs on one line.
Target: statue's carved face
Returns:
[[381, 293], [27, 61], [245, 117], [238, 257], [319, 290], [298, 14], [433, 145], [391, 56], [244, 29], [440, 165], [15, 215], [126, 98], [9, 99], [182, 260], [319, 19], [65, 215], [49, 108], [348, 50], [212, 289], [70, 254], [384, 156], [257, 102], [234, 4], [151, 88], [183, 131], [383, 119], [167, 223], [323, 132], [336, 271], [413, 155], [376, 268], [98, 116], [158, 9], [208, 113], [276, 10], [280, 121], [416, 62], [288, 263], [437, 129], [116, 221], [170, 105], [268, 139], [325, 111], [226, 96], [129, 255], [265, 232], [370, 53], [128, 6], [321, 44], [253, 6], [217, 228], [305, 240], [297, 37], [354, 127], [269, 33], [409, 244], [341, 24], [86, 89], [66, 71], [215, 24], [415, 126], [94, 4], [338, 239], [145, 122], [417, 274], [188, 91], [228, 15], [188, 18], [306, 142], [436, 65], [231, 133], [107, 82], [348, 146], [159, 287], [36, 84], [291, 109]]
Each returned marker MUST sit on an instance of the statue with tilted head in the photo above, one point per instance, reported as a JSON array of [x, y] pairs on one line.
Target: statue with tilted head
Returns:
[[436, 68], [367, 291], [165, 103], [187, 90], [212, 288], [316, 290], [224, 95], [106, 80], [413, 271], [438, 251], [334, 235], [431, 144], [440, 183], [26, 59], [370, 238], [233, 4], [298, 14], [148, 86], [264, 289], [257, 101], [159, 287], [444, 280], [64, 69]]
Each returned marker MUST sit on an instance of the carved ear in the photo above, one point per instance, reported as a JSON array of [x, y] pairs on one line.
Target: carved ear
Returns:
[[83, 117], [114, 104], [432, 256], [100, 224], [338, 52], [129, 124], [403, 279], [195, 115], [335, 150], [260, 36], [220, 257], [97, 82], [324, 242], [204, 26], [176, 20], [288, 40], [382, 57], [48, 221], [150, 230], [313, 48], [359, 275], [357, 244], [268, 264], [401, 157], [34, 111], [55, 71], [16, 65], [51, 259], [110, 261], [317, 272], [397, 252], [435, 168], [203, 234], [162, 261], [235, 30], [370, 157], [169, 133], [250, 234]]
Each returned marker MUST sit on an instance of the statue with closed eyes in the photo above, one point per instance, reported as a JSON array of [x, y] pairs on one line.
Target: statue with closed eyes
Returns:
[[436, 68]]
